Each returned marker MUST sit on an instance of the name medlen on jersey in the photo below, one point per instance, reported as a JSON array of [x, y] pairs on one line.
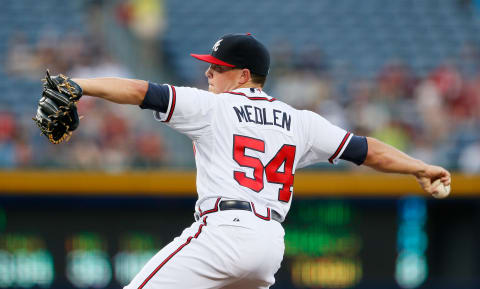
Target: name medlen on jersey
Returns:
[[250, 113]]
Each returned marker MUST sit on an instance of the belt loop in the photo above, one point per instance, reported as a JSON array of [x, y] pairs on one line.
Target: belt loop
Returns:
[[266, 218]]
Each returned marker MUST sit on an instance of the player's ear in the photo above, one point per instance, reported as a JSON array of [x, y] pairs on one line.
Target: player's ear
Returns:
[[245, 76]]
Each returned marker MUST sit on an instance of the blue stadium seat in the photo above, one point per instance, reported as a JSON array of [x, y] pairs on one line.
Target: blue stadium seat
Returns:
[[364, 34], [345, 29]]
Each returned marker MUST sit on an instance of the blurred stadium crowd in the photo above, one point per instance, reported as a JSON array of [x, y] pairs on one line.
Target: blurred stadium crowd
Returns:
[[430, 111]]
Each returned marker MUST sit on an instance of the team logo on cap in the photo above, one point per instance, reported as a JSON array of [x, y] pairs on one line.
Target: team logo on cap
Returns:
[[215, 47]]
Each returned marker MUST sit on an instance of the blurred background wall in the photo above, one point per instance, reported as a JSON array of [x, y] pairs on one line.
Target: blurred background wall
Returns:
[[406, 72]]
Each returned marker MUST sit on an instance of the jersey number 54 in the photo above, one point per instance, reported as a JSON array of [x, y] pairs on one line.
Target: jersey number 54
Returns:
[[285, 156]]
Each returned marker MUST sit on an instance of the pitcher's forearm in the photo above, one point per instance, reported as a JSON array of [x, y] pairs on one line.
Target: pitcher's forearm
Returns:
[[118, 90], [385, 158]]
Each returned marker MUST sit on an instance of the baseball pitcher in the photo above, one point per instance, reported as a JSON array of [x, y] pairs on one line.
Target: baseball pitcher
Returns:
[[248, 146]]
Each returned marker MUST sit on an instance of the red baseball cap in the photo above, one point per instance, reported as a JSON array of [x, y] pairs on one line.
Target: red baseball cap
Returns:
[[240, 51]]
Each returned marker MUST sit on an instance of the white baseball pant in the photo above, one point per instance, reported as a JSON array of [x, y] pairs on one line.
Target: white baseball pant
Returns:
[[225, 249]]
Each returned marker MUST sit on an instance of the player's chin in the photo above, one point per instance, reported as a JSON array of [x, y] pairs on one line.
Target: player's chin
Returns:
[[212, 89]]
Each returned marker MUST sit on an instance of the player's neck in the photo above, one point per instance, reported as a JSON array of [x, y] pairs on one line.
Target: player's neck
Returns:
[[250, 84]]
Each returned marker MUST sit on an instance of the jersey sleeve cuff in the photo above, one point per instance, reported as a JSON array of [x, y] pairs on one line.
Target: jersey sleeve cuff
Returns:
[[335, 157], [165, 117]]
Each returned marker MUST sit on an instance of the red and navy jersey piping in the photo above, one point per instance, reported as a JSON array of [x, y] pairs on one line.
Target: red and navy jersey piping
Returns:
[[172, 107], [252, 97], [340, 147], [215, 208], [174, 253], [266, 218]]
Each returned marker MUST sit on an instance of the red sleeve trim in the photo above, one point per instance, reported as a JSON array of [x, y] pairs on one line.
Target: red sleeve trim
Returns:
[[340, 147], [174, 100]]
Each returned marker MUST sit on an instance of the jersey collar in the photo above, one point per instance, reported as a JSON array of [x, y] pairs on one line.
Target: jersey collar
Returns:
[[250, 91], [252, 94]]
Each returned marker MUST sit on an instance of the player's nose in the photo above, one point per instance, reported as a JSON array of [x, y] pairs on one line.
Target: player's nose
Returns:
[[208, 72]]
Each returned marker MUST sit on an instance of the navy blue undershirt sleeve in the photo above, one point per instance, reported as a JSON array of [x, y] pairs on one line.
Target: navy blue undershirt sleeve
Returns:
[[356, 150], [156, 98]]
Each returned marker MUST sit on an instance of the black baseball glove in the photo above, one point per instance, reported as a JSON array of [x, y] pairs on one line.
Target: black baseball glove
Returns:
[[57, 114]]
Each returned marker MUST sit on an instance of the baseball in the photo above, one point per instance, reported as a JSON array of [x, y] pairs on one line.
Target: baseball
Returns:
[[441, 190]]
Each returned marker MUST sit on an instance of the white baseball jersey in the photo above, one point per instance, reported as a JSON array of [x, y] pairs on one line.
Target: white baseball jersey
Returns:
[[247, 148], [248, 144]]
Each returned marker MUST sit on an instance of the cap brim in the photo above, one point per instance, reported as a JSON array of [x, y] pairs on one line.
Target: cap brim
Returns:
[[210, 59]]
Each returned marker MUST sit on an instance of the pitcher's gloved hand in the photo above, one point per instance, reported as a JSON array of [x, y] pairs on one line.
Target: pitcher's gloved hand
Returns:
[[57, 114]]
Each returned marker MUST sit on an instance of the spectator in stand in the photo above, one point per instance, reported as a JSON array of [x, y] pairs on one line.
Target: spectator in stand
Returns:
[[150, 151], [19, 56], [15, 150]]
